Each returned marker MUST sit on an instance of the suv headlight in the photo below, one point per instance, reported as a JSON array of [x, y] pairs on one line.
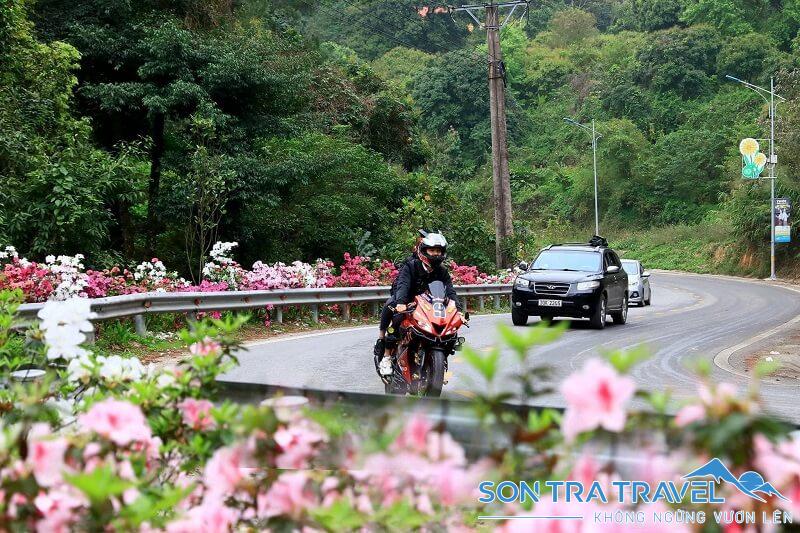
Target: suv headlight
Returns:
[[522, 283], [588, 285]]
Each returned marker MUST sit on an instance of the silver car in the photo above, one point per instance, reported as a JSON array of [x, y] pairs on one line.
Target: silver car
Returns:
[[639, 291]]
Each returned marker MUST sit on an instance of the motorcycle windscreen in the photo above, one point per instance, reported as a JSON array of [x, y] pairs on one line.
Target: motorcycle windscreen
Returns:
[[437, 290]]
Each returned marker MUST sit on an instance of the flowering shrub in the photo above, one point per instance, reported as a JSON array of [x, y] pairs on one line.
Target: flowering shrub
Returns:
[[117, 446], [357, 272], [133, 448], [222, 268], [294, 276], [153, 276], [63, 277]]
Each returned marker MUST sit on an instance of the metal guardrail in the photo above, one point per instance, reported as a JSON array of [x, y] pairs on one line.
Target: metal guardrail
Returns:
[[145, 303], [455, 416]]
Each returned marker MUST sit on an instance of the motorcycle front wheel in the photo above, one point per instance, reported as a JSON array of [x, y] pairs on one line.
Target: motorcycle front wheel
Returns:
[[395, 384], [434, 368]]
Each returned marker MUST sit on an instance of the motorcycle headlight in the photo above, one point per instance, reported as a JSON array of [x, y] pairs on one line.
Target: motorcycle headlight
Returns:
[[522, 283], [588, 285]]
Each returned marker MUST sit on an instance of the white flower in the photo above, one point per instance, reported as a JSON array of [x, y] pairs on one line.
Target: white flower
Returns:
[[50, 259], [65, 409], [116, 368], [111, 368], [134, 369], [165, 379], [74, 312], [80, 368], [64, 324], [64, 343], [9, 252]]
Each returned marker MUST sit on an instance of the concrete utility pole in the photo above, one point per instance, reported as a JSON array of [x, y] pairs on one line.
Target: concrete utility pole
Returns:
[[501, 179]]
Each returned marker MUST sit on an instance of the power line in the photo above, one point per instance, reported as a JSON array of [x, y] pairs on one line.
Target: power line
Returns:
[[376, 31]]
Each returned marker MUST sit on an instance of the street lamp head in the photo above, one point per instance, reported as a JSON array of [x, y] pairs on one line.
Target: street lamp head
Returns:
[[733, 78]]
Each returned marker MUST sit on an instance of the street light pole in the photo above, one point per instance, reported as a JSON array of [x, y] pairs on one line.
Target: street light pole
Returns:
[[772, 159], [594, 164], [595, 136], [772, 177]]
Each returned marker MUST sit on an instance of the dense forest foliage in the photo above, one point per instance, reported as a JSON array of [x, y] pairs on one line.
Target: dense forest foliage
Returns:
[[304, 129]]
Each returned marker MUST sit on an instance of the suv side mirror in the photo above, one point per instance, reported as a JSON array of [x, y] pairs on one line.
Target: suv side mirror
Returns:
[[522, 265], [646, 274], [612, 269]]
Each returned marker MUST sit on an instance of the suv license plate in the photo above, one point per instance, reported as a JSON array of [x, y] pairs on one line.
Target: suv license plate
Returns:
[[550, 303]]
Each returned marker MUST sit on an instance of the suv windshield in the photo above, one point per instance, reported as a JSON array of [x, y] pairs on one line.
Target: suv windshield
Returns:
[[631, 267], [578, 260]]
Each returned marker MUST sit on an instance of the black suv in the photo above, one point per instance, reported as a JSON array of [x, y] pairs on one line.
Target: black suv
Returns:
[[572, 280]]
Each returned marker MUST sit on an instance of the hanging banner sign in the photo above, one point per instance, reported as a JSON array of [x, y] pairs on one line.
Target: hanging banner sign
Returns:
[[782, 213], [753, 160]]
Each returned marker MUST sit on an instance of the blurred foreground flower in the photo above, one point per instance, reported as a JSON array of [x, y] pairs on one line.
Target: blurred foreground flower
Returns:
[[596, 398]]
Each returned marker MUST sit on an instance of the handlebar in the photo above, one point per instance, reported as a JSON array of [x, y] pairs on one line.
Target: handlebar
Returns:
[[409, 309]]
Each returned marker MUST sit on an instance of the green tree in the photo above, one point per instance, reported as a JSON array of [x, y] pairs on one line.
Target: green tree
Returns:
[[647, 15], [400, 65], [452, 94], [571, 26], [57, 189], [316, 189], [753, 57], [373, 27], [730, 17], [680, 60]]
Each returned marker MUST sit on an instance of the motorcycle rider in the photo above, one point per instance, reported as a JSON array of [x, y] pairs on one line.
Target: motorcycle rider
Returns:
[[414, 275]]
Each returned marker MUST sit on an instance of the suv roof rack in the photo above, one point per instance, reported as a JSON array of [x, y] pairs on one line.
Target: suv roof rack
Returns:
[[595, 242]]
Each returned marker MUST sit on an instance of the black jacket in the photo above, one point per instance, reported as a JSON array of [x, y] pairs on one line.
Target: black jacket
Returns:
[[412, 279]]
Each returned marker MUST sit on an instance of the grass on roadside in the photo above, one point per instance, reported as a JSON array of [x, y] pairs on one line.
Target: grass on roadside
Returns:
[[703, 248]]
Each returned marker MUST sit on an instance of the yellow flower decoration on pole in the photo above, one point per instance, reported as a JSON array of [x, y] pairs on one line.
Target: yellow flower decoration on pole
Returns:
[[748, 147], [760, 159]]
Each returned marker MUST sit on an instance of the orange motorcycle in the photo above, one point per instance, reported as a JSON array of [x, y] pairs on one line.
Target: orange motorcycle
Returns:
[[428, 336]]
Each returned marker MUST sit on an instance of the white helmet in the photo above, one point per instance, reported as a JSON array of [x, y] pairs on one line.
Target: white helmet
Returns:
[[433, 240]]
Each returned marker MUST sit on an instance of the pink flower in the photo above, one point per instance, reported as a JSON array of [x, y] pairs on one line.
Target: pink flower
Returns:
[[46, 455], [442, 448], [223, 471], [288, 496], [780, 463], [689, 414], [209, 517], [414, 435], [296, 443], [585, 470], [196, 413], [454, 485], [656, 466], [424, 504], [59, 508], [718, 395], [120, 421], [596, 397], [205, 347]]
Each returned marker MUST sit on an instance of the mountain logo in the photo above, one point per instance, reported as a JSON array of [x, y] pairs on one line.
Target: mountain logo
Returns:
[[750, 483]]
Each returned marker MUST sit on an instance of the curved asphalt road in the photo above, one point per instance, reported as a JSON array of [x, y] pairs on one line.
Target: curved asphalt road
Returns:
[[691, 317]]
